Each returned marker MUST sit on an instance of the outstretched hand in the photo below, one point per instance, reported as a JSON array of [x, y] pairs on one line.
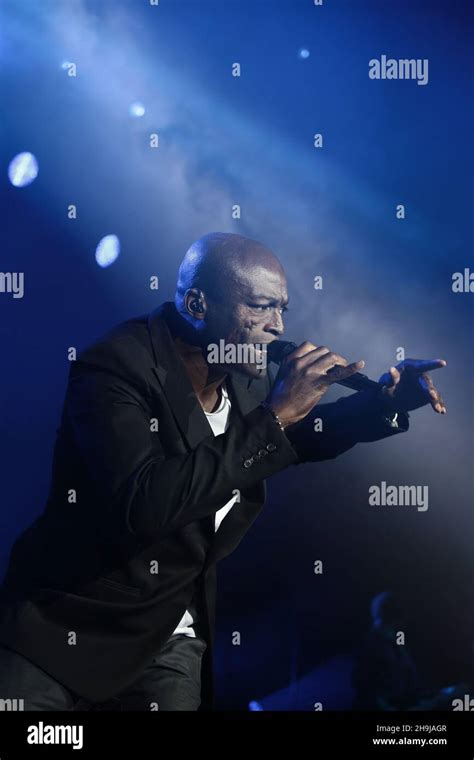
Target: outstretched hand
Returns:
[[408, 386]]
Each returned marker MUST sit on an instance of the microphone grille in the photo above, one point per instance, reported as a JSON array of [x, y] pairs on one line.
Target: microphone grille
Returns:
[[278, 349]]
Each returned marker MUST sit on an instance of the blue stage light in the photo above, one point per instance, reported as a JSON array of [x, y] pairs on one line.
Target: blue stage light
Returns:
[[304, 53], [107, 251], [255, 706], [136, 110], [23, 169]]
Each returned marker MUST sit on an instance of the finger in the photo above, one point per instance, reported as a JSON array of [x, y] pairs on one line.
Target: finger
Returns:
[[422, 365], [301, 350], [308, 356], [394, 378], [434, 395], [395, 375], [338, 372], [321, 356], [334, 362]]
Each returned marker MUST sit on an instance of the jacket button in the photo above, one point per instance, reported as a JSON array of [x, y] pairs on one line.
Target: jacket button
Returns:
[[262, 453], [248, 463], [271, 447]]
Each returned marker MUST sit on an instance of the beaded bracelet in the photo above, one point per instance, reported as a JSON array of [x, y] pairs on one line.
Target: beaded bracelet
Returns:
[[274, 414]]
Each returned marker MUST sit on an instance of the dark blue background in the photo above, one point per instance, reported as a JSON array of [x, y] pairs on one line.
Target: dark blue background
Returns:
[[329, 212]]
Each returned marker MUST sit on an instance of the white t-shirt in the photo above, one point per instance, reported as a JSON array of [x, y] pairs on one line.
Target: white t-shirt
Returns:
[[218, 421]]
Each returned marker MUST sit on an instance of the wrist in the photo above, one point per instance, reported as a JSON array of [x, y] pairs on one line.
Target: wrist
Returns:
[[387, 403], [281, 423]]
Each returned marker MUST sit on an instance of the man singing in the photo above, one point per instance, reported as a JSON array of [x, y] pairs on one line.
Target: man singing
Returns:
[[159, 470]]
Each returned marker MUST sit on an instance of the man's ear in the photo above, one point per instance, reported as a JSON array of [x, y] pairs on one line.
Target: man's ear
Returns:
[[195, 303]]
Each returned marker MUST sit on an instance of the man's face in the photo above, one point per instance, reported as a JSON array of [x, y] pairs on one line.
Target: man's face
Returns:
[[250, 312]]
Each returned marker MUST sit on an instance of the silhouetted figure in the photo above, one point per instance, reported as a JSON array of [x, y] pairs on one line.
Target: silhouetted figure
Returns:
[[385, 676]]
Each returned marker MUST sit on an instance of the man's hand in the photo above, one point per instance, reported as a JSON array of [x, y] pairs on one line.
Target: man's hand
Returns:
[[408, 385], [302, 380]]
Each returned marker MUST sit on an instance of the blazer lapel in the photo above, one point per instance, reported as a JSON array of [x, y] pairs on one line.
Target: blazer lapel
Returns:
[[172, 376], [245, 394]]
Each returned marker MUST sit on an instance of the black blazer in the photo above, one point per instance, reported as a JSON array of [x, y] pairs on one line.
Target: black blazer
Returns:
[[100, 580]]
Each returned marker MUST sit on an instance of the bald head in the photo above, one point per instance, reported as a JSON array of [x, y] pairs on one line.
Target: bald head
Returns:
[[220, 260], [233, 289]]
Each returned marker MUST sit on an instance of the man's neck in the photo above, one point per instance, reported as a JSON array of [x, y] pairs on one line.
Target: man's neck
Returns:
[[205, 381]]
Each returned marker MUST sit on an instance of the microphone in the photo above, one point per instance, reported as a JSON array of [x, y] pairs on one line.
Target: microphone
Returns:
[[278, 349]]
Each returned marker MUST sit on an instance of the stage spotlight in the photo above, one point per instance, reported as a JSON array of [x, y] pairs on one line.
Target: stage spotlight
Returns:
[[23, 169], [107, 251], [136, 110], [255, 706], [304, 53]]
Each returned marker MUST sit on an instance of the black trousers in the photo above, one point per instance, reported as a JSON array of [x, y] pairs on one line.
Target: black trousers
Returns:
[[171, 681]]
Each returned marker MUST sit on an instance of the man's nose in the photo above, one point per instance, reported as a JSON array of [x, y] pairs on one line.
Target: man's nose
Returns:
[[275, 326]]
